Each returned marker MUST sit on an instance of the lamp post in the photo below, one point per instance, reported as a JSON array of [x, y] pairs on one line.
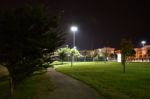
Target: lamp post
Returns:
[[143, 43], [74, 29]]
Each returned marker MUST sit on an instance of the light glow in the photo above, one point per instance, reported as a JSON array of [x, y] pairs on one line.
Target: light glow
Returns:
[[74, 28], [143, 42], [119, 58], [75, 47]]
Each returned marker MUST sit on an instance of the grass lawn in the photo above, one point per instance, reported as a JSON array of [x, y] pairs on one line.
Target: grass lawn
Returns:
[[110, 81], [38, 86]]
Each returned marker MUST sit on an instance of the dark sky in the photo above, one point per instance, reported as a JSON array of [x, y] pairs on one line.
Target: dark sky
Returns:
[[101, 22]]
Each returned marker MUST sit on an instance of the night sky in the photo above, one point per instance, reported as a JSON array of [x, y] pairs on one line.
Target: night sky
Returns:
[[101, 22]]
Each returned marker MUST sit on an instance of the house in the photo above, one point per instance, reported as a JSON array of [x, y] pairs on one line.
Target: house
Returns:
[[142, 52]]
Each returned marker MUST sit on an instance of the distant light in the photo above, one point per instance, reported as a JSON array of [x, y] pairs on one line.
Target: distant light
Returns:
[[75, 47], [74, 28]]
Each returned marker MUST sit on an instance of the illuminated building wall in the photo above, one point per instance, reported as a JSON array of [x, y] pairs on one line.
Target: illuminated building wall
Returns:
[[142, 52]]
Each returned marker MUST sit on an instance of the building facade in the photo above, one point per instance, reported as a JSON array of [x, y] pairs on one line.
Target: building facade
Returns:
[[142, 52]]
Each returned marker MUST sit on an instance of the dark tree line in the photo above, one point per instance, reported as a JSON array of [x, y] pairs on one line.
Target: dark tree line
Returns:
[[26, 35]]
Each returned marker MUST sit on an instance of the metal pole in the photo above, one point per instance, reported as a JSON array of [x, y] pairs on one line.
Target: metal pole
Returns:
[[73, 47], [73, 39]]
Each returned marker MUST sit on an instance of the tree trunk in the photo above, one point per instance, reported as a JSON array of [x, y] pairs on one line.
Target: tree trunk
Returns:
[[84, 58], [11, 80], [11, 83], [124, 68], [123, 61], [71, 61], [62, 62], [105, 60], [124, 65]]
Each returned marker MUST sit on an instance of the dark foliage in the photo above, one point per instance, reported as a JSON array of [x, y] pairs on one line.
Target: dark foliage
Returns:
[[126, 50], [26, 34]]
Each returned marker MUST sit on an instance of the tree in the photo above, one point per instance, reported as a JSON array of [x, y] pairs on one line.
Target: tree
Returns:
[[85, 54], [112, 56], [26, 35], [126, 50], [105, 53], [148, 54], [94, 54], [73, 53], [62, 52]]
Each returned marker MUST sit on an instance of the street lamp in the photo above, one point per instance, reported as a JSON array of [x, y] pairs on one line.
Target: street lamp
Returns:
[[143, 43], [74, 29]]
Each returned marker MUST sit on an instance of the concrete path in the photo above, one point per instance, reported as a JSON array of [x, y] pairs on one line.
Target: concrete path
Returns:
[[69, 88]]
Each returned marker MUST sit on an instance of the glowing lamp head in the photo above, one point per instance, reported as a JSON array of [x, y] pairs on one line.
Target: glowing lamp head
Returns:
[[74, 28], [143, 42]]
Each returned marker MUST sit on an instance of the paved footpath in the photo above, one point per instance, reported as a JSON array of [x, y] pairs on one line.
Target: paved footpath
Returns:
[[69, 88]]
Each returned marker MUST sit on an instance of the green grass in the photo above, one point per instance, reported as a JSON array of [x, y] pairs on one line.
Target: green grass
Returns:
[[37, 86], [110, 81]]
